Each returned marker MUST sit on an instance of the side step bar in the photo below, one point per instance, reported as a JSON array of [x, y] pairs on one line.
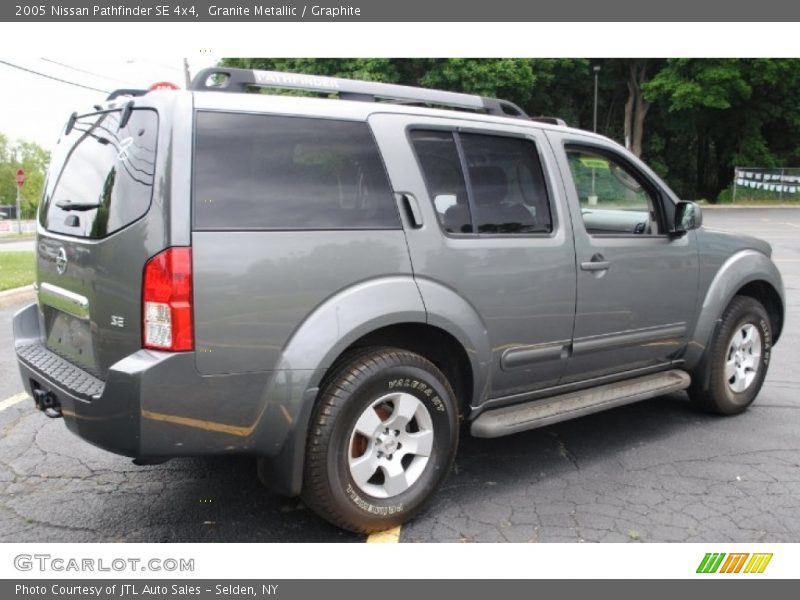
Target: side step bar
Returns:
[[538, 413]]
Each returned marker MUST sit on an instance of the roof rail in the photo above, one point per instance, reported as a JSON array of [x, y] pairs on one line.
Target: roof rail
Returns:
[[550, 120], [222, 79], [126, 92]]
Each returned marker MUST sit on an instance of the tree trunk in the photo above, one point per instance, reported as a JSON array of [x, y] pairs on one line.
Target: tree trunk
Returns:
[[629, 105], [636, 106]]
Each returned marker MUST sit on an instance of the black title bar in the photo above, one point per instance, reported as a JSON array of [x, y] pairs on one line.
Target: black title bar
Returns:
[[401, 10]]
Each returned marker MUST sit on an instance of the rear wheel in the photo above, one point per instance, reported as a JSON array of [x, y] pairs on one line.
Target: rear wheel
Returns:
[[383, 437], [739, 358]]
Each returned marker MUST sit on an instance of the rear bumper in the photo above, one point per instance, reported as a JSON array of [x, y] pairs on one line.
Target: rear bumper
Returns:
[[157, 405]]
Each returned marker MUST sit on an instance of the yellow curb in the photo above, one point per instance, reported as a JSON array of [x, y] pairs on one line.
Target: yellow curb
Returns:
[[390, 536], [15, 399]]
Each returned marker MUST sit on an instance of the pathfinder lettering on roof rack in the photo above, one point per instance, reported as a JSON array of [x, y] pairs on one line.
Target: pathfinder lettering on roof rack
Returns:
[[295, 80]]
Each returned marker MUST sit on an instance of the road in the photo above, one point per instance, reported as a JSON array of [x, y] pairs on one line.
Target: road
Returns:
[[17, 246], [657, 471]]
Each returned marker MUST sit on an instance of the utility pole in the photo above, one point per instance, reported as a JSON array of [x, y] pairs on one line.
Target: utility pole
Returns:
[[596, 70], [187, 75], [593, 196], [20, 181]]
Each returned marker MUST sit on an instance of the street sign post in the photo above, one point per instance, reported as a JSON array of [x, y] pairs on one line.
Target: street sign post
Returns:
[[20, 180]]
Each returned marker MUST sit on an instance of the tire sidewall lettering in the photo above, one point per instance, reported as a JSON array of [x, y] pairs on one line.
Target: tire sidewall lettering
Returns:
[[756, 319], [414, 386], [429, 391]]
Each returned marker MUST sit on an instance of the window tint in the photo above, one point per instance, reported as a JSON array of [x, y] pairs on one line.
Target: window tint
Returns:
[[612, 197], [105, 172], [267, 172], [509, 193], [438, 157]]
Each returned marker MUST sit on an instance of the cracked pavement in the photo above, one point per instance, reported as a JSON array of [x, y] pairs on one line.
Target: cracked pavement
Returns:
[[657, 471]]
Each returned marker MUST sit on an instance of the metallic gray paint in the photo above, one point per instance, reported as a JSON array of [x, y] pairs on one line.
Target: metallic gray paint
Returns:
[[728, 263], [108, 271], [298, 300], [650, 284], [253, 291], [521, 286]]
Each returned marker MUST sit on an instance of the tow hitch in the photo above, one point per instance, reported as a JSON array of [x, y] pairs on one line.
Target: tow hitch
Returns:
[[47, 403]]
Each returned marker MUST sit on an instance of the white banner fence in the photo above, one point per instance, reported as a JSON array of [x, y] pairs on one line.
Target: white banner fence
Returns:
[[754, 184]]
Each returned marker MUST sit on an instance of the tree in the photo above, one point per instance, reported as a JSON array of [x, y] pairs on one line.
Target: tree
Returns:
[[34, 160], [726, 113], [636, 106], [703, 117]]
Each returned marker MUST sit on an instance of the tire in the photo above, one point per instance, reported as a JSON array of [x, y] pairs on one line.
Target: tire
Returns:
[[379, 413], [736, 377]]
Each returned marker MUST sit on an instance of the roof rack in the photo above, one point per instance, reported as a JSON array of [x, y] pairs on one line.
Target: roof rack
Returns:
[[243, 80], [126, 92], [550, 120]]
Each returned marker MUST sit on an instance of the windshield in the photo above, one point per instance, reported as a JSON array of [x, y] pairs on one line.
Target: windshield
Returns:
[[101, 175]]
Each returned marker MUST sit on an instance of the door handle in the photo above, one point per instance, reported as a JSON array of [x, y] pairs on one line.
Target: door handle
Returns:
[[597, 263], [412, 209]]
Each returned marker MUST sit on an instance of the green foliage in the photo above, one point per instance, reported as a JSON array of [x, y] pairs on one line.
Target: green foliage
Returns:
[[723, 113], [34, 160], [16, 269], [706, 115]]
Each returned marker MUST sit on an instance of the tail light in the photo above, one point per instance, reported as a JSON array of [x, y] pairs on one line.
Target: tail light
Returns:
[[167, 301]]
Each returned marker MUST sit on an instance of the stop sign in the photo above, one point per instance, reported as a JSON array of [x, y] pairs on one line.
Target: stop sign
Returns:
[[20, 178]]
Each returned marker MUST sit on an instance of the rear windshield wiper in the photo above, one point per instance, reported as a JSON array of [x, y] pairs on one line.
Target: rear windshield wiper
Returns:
[[70, 205]]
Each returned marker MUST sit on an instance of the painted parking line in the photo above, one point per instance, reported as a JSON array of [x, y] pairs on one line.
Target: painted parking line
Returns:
[[390, 536], [15, 399]]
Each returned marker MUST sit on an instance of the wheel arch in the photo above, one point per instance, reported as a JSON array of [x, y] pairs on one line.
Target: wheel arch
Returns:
[[765, 293], [386, 312], [747, 273]]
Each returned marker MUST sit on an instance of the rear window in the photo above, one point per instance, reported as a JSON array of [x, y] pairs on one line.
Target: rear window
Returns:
[[269, 172], [101, 175]]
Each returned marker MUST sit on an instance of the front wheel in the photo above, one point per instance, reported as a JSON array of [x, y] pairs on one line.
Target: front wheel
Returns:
[[739, 358], [383, 437]]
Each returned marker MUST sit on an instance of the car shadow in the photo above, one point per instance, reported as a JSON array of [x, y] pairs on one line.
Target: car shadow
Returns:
[[220, 499]]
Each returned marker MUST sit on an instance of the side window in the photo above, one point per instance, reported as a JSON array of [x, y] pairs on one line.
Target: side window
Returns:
[[509, 193], [269, 172], [507, 190], [613, 199], [441, 167]]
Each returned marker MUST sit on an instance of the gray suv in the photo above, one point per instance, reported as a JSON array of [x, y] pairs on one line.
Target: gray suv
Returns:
[[339, 285]]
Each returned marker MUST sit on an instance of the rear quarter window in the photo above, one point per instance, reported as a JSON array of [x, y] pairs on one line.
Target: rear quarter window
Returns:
[[274, 172]]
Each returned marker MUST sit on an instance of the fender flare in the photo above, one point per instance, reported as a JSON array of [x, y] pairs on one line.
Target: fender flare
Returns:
[[742, 268], [451, 312], [340, 321]]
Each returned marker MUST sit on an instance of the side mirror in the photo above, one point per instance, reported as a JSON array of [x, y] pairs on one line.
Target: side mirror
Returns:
[[688, 216]]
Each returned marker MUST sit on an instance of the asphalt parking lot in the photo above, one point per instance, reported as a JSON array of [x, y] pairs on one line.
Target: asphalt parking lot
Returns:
[[656, 471]]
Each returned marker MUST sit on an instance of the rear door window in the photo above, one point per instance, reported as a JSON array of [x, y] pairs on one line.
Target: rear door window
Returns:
[[101, 176], [273, 172], [504, 191], [438, 157], [508, 188]]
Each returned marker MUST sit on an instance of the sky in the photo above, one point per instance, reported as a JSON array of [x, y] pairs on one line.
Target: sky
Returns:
[[35, 108]]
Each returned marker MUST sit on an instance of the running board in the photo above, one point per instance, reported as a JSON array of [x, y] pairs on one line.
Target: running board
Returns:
[[538, 413]]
